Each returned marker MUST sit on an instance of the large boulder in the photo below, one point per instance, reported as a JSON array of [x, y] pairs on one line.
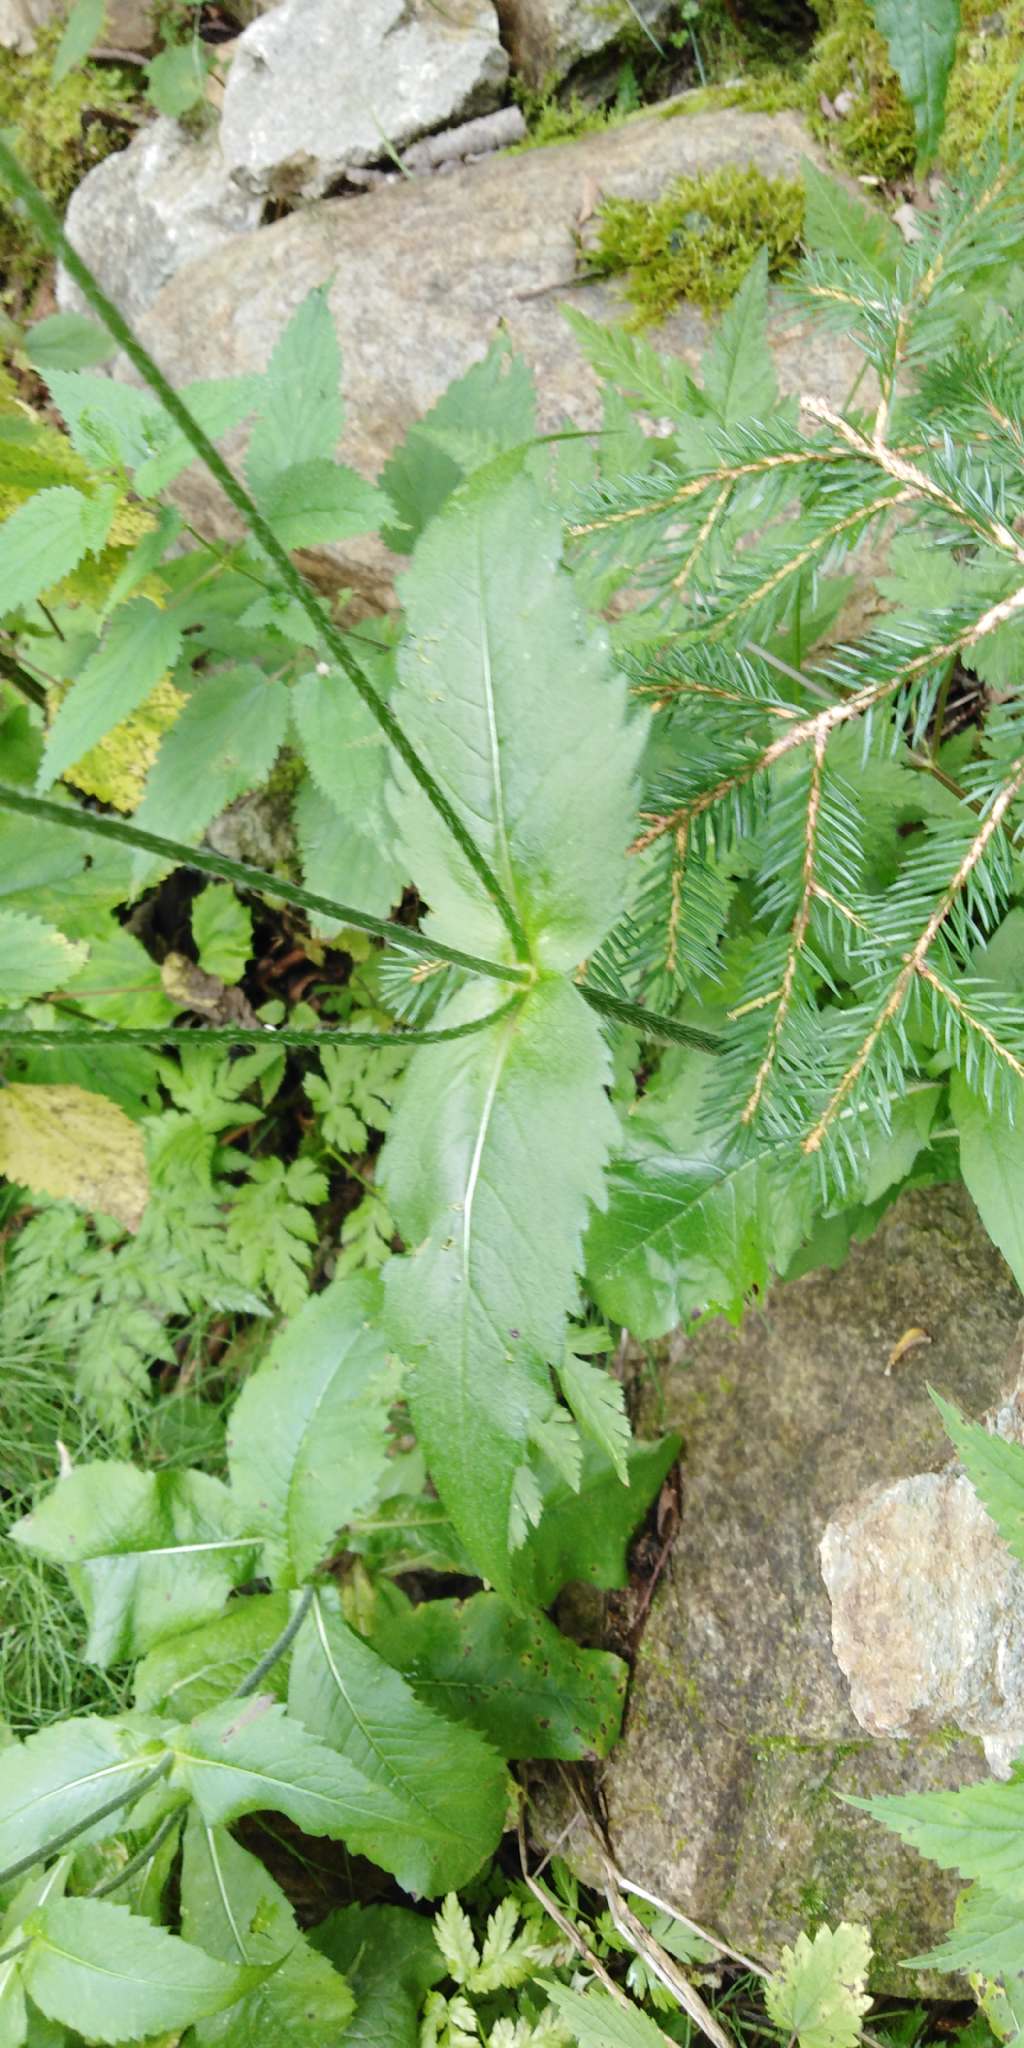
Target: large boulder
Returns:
[[423, 274], [741, 1733], [148, 210], [316, 86], [548, 38]]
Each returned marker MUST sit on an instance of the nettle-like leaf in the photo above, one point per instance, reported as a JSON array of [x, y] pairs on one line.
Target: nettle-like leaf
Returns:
[[818, 1991], [995, 1469], [978, 1831], [139, 647], [512, 702], [148, 1553], [224, 743], [987, 1937], [231, 1906], [494, 1155], [300, 406], [114, 1977], [34, 957], [391, 1961], [308, 1439], [487, 411], [46, 538], [442, 1789], [526, 1687], [584, 1531], [598, 2022], [60, 1776]]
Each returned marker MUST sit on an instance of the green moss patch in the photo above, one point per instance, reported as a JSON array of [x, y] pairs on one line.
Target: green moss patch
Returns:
[[60, 132], [699, 239]]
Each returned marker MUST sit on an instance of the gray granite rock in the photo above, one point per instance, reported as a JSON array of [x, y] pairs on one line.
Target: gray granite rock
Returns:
[[318, 85], [928, 1610], [424, 274], [163, 202], [741, 1730], [548, 38], [20, 21]]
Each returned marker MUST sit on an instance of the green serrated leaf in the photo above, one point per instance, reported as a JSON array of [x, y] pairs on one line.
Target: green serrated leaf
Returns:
[[300, 408], [340, 859], [62, 1775], [482, 1126], [653, 383], [530, 1690], [115, 1977], [921, 35], [140, 645], [585, 1534], [222, 930], [737, 371], [391, 1960], [231, 1904], [995, 1469], [148, 1553], [34, 957], [196, 1670], [599, 1405], [45, 539], [225, 742], [512, 701], [988, 1937], [489, 409], [67, 341], [597, 2022], [978, 1830], [308, 1438], [818, 1991], [443, 1789], [838, 223], [319, 500]]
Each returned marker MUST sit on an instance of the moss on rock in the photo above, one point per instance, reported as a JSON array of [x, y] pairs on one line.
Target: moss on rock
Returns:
[[698, 240], [60, 131]]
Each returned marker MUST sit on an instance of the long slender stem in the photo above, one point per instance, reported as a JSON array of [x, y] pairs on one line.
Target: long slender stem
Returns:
[[28, 685], [71, 1834], [49, 227], [207, 863], [139, 1860], [277, 1649], [239, 1034]]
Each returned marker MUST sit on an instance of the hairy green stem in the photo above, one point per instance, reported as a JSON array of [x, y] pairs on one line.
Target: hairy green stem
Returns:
[[139, 1860], [126, 1798], [27, 684], [277, 1649], [45, 220], [207, 863], [239, 1034]]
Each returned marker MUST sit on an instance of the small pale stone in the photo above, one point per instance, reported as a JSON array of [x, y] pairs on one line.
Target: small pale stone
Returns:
[[548, 38], [319, 85], [142, 213], [928, 1614]]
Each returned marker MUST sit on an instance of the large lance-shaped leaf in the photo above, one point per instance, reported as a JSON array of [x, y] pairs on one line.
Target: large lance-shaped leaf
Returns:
[[921, 35], [115, 1977], [148, 1553], [494, 1154], [250, 1756], [231, 1905], [309, 1436], [195, 1671], [512, 701], [446, 1782], [63, 1774]]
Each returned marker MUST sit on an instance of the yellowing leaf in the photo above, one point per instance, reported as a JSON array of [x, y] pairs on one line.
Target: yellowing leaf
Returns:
[[115, 770], [75, 1145], [817, 1992]]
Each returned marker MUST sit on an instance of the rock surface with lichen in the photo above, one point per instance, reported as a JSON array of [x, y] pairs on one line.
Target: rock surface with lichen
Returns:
[[741, 1734]]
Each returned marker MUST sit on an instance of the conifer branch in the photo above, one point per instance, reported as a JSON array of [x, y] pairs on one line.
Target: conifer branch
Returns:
[[694, 487], [798, 936], [916, 483], [680, 580], [805, 732], [818, 545], [965, 1015], [914, 962]]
